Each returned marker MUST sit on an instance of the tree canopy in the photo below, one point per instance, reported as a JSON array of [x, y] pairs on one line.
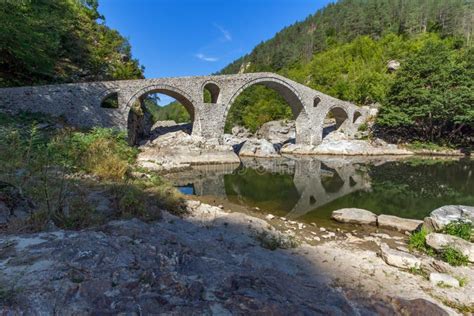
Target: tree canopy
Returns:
[[43, 41]]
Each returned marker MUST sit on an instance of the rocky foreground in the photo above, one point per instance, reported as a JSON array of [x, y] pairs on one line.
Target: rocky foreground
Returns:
[[212, 262]]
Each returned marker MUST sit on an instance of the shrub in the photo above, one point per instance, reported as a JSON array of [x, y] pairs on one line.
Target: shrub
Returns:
[[363, 127], [454, 257], [418, 241], [460, 229]]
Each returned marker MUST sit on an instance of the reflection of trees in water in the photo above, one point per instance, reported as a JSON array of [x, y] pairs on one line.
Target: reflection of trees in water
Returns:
[[259, 188], [415, 188]]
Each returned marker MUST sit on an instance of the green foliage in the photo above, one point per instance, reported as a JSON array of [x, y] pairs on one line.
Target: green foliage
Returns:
[[432, 95], [255, 106], [103, 152], [460, 229], [174, 111], [417, 241], [418, 145], [419, 271], [43, 164], [345, 20], [454, 257], [60, 41]]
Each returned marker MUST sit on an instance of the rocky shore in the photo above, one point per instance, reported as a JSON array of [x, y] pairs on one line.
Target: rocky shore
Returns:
[[172, 148], [217, 262]]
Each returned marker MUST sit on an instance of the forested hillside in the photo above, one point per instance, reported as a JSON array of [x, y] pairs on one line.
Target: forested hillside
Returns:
[[343, 50], [345, 20], [60, 41]]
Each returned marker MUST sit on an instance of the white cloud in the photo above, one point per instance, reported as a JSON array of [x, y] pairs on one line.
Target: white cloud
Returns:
[[206, 58], [227, 37]]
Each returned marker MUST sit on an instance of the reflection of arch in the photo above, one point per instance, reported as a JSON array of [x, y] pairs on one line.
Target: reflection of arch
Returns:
[[289, 93], [176, 93], [213, 90], [333, 183]]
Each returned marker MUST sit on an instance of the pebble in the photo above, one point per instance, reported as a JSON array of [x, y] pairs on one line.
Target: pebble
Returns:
[[322, 229], [317, 238], [270, 217], [283, 219]]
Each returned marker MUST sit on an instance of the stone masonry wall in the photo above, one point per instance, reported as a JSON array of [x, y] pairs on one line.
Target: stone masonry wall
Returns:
[[80, 104]]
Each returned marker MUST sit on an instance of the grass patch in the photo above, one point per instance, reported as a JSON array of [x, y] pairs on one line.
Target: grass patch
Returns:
[[460, 229], [419, 271], [417, 241], [274, 241], [454, 257], [462, 281], [418, 145], [363, 127]]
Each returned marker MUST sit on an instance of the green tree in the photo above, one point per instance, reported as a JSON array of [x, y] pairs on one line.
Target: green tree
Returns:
[[432, 96], [60, 41]]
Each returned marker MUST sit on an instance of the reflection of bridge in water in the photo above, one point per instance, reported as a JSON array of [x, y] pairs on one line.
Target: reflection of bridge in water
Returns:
[[318, 181]]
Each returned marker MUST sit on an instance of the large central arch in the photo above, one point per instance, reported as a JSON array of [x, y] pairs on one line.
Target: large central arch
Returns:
[[288, 92]]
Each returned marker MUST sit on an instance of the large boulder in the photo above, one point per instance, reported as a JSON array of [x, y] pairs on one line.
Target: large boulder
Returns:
[[442, 241], [444, 215], [398, 258], [443, 279], [354, 216], [241, 132], [277, 132], [398, 223], [258, 148], [178, 150]]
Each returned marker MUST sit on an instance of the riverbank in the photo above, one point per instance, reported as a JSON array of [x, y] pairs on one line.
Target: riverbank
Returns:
[[172, 148], [217, 262]]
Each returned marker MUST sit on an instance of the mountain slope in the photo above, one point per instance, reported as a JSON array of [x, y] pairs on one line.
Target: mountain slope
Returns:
[[345, 20]]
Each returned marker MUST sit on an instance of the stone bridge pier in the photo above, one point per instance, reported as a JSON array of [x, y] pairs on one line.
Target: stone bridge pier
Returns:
[[81, 104]]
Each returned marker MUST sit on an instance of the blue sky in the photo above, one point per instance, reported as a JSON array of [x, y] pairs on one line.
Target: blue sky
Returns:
[[199, 37]]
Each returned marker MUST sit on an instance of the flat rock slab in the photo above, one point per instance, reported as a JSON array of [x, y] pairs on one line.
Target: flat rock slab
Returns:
[[354, 216], [443, 279], [444, 215], [441, 241], [398, 223], [398, 258]]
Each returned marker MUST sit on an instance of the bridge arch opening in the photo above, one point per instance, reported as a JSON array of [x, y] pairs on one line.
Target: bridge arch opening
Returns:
[[157, 110], [211, 92], [263, 100], [110, 101], [336, 119]]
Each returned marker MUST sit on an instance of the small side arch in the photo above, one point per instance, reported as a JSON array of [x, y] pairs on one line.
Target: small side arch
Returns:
[[212, 90], [109, 99], [357, 115]]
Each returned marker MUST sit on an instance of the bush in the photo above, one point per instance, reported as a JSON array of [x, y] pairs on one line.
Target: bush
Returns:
[[454, 257], [460, 229], [418, 241], [103, 152]]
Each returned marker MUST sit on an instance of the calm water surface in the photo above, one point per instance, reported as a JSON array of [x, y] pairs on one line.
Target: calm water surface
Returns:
[[310, 189]]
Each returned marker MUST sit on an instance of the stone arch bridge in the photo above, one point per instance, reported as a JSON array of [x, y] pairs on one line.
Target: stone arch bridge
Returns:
[[81, 103]]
